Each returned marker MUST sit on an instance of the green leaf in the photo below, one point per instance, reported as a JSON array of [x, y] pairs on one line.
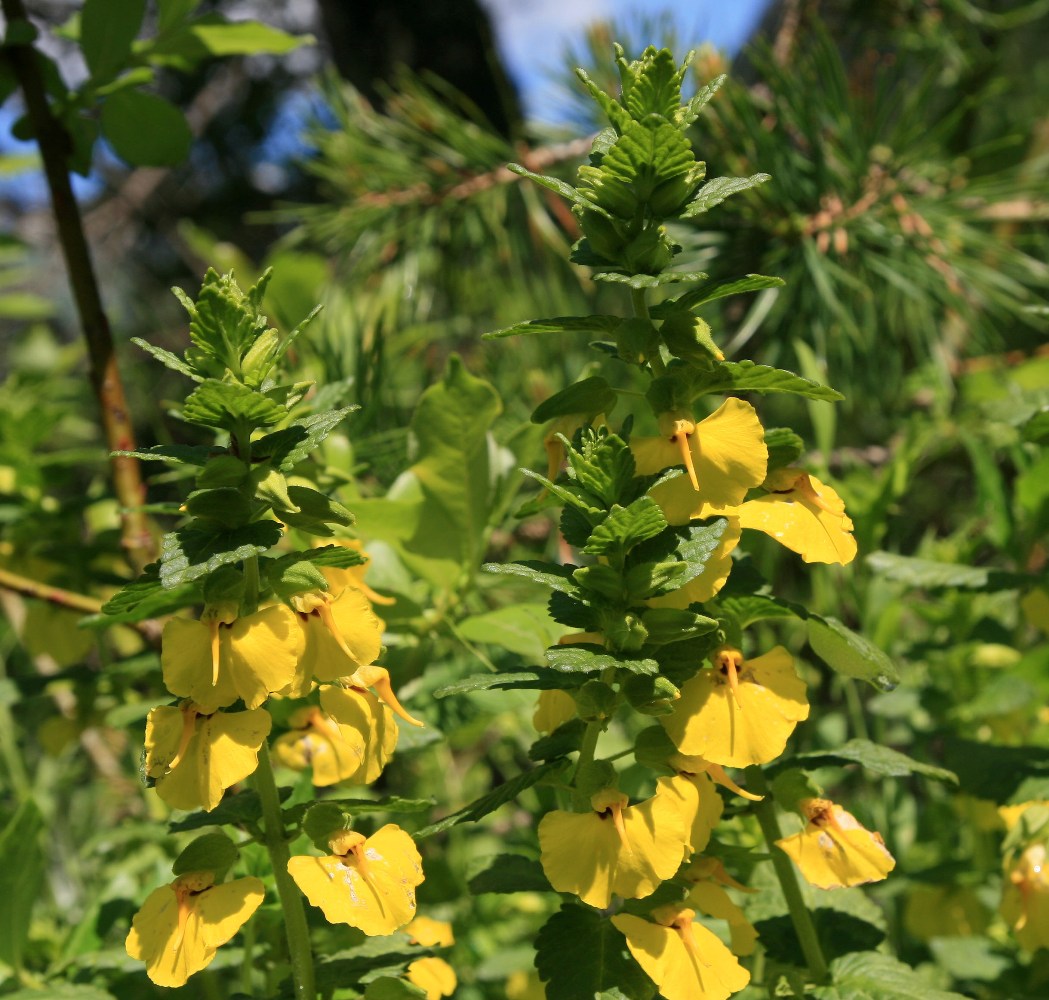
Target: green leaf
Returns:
[[107, 29], [177, 454], [850, 654], [450, 426], [580, 953], [242, 809], [650, 280], [225, 506], [583, 659], [145, 130], [1036, 429], [839, 934], [147, 597], [480, 808], [558, 578], [603, 465], [625, 527], [172, 361], [990, 771], [870, 975], [716, 290], [190, 553], [784, 447], [652, 85], [509, 873], [667, 625], [601, 326], [652, 579], [691, 111], [230, 406], [522, 628], [717, 189], [558, 187], [565, 739], [315, 511], [586, 398], [292, 444], [933, 575], [209, 852], [746, 376], [746, 609], [22, 865], [874, 758], [392, 988], [539, 679], [693, 544]]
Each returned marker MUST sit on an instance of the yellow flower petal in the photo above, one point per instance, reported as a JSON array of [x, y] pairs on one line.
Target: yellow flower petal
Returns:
[[715, 902], [584, 853], [221, 749], [553, 708], [182, 925], [434, 975], [700, 804], [748, 726], [340, 639], [804, 519], [371, 886], [686, 962], [703, 587], [258, 655], [835, 851], [430, 933], [728, 454], [1010, 815]]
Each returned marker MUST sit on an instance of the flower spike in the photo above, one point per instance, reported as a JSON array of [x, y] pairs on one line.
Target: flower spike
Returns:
[[378, 679]]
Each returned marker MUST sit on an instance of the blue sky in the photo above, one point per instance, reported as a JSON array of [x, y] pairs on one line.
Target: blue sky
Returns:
[[534, 34]]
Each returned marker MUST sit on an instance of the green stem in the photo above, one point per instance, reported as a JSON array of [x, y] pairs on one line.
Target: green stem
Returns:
[[586, 756], [765, 810], [295, 927], [640, 304]]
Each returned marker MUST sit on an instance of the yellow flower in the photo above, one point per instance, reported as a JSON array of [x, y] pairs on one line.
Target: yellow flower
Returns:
[[366, 883], [684, 959], [724, 456], [740, 713], [352, 576], [552, 710], [222, 658], [182, 925], [195, 756], [434, 975], [708, 878], [834, 850], [341, 634], [1010, 815], [1025, 900], [803, 514], [616, 848], [430, 933], [350, 737]]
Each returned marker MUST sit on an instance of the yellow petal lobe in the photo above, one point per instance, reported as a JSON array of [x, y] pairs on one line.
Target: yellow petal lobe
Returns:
[[430, 933], [552, 709], [341, 635]]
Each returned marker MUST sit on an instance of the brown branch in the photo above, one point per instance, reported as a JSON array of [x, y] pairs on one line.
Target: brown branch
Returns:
[[55, 143]]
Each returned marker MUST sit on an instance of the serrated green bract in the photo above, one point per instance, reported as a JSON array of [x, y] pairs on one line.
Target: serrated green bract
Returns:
[[717, 189], [746, 376], [587, 398], [208, 852], [190, 553], [579, 953], [230, 406], [625, 527]]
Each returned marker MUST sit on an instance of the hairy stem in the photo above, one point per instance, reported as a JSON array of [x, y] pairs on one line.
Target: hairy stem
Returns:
[[54, 142], [765, 810], [295, 927]]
